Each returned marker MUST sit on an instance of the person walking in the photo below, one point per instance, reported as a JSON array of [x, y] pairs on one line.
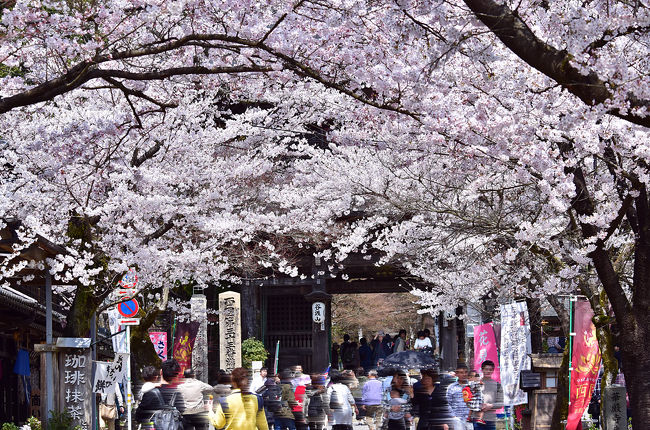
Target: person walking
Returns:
[[380, 348], [342, 404], [284, 418], [152, 379], [258, 380], [195, 415], [400, 342], [492, 398], [164, 396], [365, 354], [348, 353], [371, 394], [299, 384], [317, 403], [456, 400], [241, 410], [110, 408], [335, 356], [430, 402]]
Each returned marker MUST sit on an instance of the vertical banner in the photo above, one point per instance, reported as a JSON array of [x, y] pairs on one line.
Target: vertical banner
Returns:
[[159, 340], [585, 363], [185, 337], [229, 331], [515, 347], [119, 341], [485, 348]]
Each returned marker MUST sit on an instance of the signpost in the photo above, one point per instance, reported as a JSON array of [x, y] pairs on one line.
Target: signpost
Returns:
[[128, 309]]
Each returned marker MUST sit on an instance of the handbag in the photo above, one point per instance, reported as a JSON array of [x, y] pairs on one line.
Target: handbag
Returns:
[[108, 412]]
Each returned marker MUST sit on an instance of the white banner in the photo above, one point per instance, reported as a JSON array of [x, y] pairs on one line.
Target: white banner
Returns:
[[515, 347], [119, 341], [108, 374], [101, 383]]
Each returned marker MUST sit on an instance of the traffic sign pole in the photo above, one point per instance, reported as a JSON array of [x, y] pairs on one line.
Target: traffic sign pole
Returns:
[[129, 399]]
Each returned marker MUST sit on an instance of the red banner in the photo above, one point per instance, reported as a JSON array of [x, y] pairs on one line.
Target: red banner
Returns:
[[485, 348], [184, 342], [585, 363]]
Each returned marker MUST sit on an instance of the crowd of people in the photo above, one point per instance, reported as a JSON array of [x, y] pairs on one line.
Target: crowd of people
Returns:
[[351, 355], [292, 400]]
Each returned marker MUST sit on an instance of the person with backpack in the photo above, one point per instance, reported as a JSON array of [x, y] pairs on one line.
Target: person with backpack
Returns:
[[271, 393], [163, 406], [341, 403], [317, 403], [241, 410], [284, 418]]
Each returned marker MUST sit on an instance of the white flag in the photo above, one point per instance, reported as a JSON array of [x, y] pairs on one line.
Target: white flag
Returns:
[[101, 382], [119, 340], [515, 347]]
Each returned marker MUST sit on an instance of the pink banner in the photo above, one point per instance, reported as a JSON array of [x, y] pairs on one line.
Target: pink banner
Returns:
[[159, 340], [586, 362], [485, 348]]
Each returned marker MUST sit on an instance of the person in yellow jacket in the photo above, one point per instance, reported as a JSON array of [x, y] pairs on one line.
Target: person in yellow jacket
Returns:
[[240, 410]]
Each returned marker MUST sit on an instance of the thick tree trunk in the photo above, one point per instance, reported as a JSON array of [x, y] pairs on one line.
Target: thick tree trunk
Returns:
[[535, 316], [78, 318], [636, 362]]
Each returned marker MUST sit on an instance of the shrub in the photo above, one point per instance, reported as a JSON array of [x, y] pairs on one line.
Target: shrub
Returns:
[[253, 350]]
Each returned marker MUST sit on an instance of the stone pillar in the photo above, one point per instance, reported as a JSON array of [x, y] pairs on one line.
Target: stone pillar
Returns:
[[229, 331], [614, 408], [198, 306]]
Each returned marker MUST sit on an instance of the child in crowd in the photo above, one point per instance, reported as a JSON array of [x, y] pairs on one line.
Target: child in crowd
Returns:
[[473, 395], [397, 417]]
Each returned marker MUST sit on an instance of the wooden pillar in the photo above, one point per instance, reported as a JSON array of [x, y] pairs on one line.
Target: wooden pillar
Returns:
[[320, 332], [250, 310]]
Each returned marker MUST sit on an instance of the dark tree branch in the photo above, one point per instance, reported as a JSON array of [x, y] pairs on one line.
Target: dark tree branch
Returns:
[[161, 230], [584, 206], [85, 72], [556, 64], [136, 161]]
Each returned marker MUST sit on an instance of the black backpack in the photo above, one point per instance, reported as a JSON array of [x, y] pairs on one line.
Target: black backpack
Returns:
[[273, 398], [167, 418]]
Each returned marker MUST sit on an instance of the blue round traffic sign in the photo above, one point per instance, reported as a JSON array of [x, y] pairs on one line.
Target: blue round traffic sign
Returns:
[[129, 308]]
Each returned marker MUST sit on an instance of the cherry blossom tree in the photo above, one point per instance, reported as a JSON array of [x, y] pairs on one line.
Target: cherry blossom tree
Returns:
[[481, 140]]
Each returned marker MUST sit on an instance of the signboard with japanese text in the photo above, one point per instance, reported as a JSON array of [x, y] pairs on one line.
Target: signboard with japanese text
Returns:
[[585, 363], [108, 373], [485, 348], [159, 340], [515, 347], [318, 312], [229, 331], [184, 343], [615, 406], [74, 382]]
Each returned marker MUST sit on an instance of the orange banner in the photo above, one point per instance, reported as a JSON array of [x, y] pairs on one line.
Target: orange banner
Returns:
[[585, 363]]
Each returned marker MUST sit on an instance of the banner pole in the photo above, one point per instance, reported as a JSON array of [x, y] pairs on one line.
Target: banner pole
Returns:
[[277, 354], [572, 299]]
